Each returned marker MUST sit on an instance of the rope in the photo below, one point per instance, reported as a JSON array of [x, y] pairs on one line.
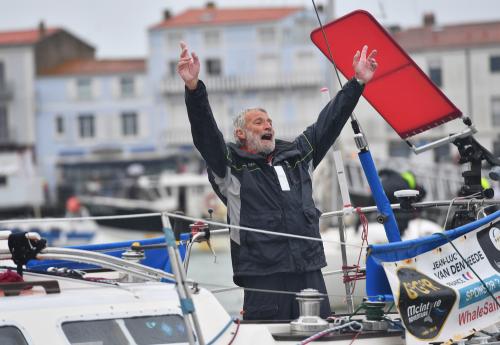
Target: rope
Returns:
[[321, 334], [358, 275], [355, 336], [394, 323], [235, 332], [218, 335]]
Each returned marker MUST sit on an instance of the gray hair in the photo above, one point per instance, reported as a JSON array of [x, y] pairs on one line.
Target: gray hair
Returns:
[[239, 121]]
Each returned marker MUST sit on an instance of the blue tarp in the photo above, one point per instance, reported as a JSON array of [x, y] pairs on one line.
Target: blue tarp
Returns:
[[156, 258]]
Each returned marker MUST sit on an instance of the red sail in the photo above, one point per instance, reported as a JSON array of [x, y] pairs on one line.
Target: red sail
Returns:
[[400, 91]]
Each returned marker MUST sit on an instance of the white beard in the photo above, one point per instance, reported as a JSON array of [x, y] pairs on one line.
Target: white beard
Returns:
[[255, 144]]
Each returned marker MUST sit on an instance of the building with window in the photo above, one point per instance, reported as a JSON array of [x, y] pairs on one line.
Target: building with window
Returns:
[[250, 57], [95, 118], [90, 119], [23, 54], [264, 57]]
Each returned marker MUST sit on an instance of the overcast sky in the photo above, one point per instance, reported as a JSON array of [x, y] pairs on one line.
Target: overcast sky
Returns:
[[118, 28]]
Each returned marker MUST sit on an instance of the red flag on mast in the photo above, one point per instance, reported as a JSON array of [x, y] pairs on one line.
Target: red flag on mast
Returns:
[[400, 91]]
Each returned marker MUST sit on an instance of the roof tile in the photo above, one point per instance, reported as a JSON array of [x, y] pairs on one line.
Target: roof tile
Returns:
[[451, 36], [23, 37], [92, 66], [220, 16]]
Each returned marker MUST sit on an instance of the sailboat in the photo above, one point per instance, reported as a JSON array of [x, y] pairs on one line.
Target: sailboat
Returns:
[[439, 289]]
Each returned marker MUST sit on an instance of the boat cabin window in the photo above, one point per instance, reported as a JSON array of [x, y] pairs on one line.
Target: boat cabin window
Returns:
[[102, 332], [149, 330], [164, 329], [10, 335]]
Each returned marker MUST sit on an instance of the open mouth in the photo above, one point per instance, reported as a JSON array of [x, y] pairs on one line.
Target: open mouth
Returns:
[[267, 137]]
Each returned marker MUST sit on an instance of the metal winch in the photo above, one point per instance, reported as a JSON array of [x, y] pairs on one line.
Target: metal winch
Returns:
[[309, 320], [375, 320], [134, 254]]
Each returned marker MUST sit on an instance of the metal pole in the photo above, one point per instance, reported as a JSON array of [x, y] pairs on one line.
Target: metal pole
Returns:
[[346, 204], [347, 285], [339, 193], [187, 305]]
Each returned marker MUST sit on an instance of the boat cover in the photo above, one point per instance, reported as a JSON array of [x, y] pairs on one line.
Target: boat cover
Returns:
[[400, 91]]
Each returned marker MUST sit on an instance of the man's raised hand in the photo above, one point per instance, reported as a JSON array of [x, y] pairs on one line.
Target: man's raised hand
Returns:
[[364, 67], [188, 67]]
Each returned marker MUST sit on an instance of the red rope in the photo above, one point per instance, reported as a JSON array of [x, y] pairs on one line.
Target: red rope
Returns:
[[9, 277], [352, 341], [235, 332], [364, 238]]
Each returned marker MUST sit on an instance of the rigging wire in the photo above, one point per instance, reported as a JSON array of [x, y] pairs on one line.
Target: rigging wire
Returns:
[[174, 215], [75, 219], [244, 228], [327, 44], [225, 288]]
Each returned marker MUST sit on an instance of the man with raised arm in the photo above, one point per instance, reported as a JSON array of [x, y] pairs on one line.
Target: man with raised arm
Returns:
[[266, 184]]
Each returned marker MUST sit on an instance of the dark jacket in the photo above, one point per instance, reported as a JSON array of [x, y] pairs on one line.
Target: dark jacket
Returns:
[[250, 188]]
